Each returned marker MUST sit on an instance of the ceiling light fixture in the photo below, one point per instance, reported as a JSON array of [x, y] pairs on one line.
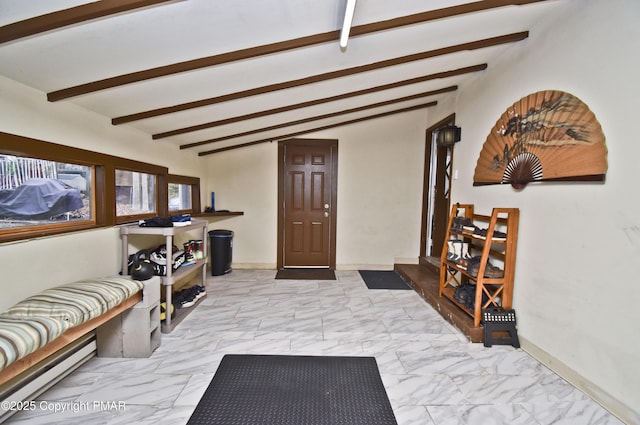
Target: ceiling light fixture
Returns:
[[346, 26]]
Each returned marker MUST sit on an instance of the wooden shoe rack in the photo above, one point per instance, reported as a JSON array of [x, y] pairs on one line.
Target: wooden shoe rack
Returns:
[[500, 252]]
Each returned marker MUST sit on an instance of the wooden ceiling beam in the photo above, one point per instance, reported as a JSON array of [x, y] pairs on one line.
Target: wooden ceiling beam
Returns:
[[432, 15], [281, 46], [473, 45], [324, 127], [310, 119], [263, 113], [71, 16]]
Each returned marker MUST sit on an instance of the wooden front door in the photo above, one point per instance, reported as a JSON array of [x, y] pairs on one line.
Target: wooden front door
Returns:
[[307, 198]]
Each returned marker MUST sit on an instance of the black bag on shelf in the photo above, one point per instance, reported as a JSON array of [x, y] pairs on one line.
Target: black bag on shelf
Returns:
[[156, 222]]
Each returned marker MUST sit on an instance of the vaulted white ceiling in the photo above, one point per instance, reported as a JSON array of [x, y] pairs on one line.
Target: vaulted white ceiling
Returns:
[[238, 100]]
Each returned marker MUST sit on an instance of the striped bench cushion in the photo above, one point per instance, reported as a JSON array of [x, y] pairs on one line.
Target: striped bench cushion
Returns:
[[20, 336], [77, 302]]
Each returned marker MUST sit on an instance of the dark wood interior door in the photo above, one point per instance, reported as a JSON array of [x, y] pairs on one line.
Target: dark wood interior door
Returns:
[[441, 200], [436, 197], [308, 203]]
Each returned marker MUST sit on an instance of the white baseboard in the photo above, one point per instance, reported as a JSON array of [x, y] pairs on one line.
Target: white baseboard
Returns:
[[364, 266], [273, 266], [600, 396], [254, 266]]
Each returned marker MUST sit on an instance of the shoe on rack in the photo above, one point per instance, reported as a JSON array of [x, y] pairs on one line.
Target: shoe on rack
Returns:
[[493, 272], [481, 233], [456, 224], [473, 265], [460, 295], [463, 261], [467, 224], [450, 252], [184, 298], [200, 291], [464, 293], [490, 271], [177, 300], [499, 236], [188, 302], [194, 292], [197, 291], [471, 297], [461, 224], [455, 250]]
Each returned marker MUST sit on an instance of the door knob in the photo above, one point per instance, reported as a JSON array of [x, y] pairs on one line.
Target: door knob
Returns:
[[326, 213]]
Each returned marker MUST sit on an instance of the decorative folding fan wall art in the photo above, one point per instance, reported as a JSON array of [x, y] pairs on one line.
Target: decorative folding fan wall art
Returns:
[[546, 136]]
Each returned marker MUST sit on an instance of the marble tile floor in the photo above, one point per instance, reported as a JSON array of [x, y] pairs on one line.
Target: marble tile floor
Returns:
[[431, 373]]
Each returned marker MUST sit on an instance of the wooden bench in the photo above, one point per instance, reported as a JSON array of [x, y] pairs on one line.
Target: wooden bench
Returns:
[[69, 336], [81, 308]]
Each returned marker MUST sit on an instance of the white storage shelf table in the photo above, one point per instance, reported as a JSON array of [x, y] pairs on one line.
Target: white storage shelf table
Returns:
[[172, 277]]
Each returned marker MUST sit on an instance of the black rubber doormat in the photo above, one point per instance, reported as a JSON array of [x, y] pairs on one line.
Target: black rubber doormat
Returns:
[[383, 279], [306, 274], [294, 390]]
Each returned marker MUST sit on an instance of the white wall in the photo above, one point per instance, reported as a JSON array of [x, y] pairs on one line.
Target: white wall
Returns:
[[29, 266], [245, 180], [380, 172], [577, 296], [380, 166]]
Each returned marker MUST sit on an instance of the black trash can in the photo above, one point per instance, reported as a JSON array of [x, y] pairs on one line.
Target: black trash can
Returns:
[[221, 244]]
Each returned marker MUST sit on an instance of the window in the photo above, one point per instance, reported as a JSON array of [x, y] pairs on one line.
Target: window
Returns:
[[37, 192], [47, 189], [138, 191], [179, 197], [135, 193], [183, 194]]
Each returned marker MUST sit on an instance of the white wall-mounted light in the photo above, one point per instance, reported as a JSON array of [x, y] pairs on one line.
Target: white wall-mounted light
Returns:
[[346, 26]]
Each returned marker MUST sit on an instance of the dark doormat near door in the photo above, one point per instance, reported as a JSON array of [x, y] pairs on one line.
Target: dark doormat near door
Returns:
[[294, 390], [383, 279], [306, 274]]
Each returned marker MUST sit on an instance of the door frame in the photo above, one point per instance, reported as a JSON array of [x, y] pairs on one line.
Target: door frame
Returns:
[[334, 195], [427, 186]]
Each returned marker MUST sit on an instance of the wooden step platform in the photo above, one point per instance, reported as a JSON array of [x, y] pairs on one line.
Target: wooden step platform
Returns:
[[425, 281]]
